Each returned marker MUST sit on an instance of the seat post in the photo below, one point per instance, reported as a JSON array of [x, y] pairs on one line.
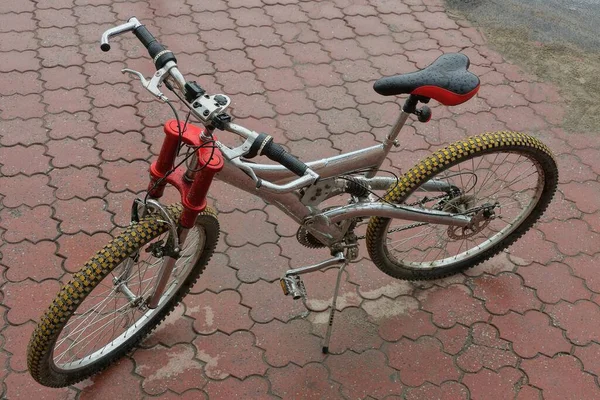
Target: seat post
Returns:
[[410, 105]]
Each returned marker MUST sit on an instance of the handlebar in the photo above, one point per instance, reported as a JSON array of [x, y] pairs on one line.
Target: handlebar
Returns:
[[159, 53], [166, 64], [265, 146], [131, 24]]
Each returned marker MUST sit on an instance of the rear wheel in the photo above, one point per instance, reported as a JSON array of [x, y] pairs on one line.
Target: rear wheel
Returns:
[[101, 313], [504, 181]]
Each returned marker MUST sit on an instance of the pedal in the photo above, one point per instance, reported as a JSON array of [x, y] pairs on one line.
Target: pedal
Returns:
[[293, 285]]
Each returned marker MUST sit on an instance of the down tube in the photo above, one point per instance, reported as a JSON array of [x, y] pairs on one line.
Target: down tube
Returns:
[[289, 203], [286, 202], [370, 157]]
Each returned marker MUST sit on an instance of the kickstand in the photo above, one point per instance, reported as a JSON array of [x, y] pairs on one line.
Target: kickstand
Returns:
[[305, 313], [332, 311]]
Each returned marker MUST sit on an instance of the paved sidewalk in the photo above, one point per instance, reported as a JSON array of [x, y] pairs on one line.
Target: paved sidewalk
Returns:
[[76, 137]]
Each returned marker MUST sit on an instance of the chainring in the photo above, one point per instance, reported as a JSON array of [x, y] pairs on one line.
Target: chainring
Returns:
[[306, 239]]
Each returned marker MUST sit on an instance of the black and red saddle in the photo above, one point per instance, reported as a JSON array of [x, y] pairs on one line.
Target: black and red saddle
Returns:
[[446, 80]]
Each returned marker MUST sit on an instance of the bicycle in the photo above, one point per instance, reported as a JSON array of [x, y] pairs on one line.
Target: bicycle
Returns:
[[464, 204]]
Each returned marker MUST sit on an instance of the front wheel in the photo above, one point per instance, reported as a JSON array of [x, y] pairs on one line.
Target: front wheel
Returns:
[[503, 181], [101, 313]]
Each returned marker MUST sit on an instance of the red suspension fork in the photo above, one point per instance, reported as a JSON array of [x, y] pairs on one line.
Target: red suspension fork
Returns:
[[193, 192], [192, 185], [210, 161]]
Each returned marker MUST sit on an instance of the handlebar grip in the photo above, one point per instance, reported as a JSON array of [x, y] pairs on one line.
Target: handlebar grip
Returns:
[[278, 154], [154, 47]]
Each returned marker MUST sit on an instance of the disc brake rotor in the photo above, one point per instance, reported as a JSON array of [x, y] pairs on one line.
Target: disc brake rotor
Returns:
[[478, 223]]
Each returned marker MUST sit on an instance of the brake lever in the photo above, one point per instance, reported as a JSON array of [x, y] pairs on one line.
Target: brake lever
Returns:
[[152, 84]]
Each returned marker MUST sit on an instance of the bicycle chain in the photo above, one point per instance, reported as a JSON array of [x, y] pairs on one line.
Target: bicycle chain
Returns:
[[416, 224], [307, 240]]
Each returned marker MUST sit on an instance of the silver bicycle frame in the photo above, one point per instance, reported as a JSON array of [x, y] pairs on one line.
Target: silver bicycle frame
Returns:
[[370, 158]]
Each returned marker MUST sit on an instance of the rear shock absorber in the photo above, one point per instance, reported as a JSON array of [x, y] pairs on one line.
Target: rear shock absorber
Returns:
[[356, 188]]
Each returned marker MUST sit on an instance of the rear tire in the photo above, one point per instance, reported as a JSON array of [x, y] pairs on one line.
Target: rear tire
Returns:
[[487, 160], [76, 322]]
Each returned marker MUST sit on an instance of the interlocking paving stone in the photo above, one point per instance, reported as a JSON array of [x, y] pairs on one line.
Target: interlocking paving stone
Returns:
[[77, 137]]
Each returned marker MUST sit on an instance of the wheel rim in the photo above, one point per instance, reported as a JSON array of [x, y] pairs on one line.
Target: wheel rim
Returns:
[[514, 180], [104, 321]]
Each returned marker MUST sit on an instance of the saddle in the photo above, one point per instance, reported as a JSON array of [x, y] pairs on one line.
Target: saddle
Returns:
[[446, 80]]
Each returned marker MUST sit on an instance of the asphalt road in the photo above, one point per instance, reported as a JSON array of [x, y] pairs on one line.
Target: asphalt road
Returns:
[[572, 21], [557, 40]]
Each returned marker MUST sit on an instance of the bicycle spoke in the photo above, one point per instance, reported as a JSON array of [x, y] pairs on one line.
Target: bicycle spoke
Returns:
[[97, 321], [492, 173], [108, 314], [514, 181], [90, 338], [421, 241], [90, 311], [460, 175], [517, 179], [504, 180], [398, 243], [76, 340]]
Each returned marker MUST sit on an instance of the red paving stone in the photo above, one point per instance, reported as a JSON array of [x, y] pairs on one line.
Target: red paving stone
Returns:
[[350, 370], [218, 278], [258, 262], [554, 282], [413, 371], [525, 330], [505, 292], [235, 355], [119, 377], [176, 328], [486, 350], [78, 248], [352, 330], [578, 320], [31, 190], [285, 343], [212, 312], [166, 368], [308, 382], [488, 384], [560, 377], [453, 339], [76, 137], [27, 260], [464, 308]]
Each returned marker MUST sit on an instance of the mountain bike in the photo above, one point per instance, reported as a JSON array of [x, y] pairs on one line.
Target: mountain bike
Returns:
[[455, 209]]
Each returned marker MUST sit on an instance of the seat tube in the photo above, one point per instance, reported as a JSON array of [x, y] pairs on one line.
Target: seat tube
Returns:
[[390, 140]]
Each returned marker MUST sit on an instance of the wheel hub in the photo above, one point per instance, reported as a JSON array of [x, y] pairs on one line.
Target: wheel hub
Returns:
[[459, 204], [479, 222]]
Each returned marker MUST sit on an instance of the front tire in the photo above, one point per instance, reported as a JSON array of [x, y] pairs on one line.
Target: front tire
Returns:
[[92, 322], [514, 172]]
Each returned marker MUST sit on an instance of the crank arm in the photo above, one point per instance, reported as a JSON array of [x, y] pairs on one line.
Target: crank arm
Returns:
[[338, 259]]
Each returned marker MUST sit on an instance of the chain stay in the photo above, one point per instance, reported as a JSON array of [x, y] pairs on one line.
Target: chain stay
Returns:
[[417, 224]]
